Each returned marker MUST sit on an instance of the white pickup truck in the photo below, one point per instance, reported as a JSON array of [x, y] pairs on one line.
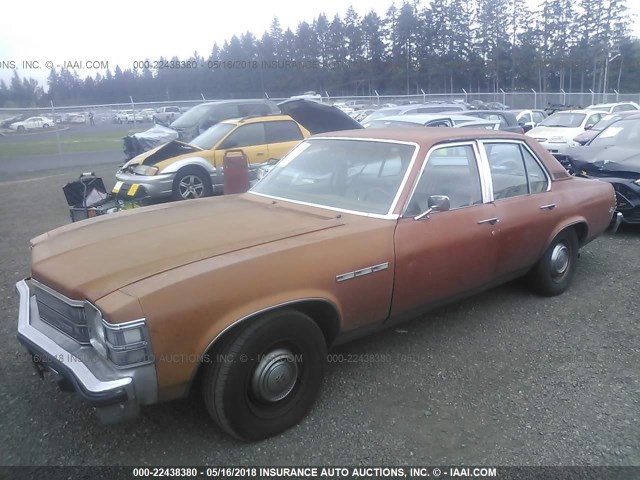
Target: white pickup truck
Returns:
[[168, 114]]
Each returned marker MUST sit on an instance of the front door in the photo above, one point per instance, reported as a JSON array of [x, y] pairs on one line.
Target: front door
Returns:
[[249, 138], [450, 252]]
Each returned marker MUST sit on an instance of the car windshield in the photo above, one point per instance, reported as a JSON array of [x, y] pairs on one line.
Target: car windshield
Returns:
[[192, 116], [354, 175], [564, 119], [623, 133], [212, 136]]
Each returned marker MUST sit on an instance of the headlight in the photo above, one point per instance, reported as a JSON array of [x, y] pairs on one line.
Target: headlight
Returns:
[[557, 140], [145, 170], [126, 345]]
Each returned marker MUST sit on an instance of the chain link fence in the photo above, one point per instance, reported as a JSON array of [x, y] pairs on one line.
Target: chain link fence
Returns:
[[516, 100]]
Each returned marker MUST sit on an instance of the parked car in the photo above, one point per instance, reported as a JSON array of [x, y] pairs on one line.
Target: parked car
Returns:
[[33, 123], [186, 171], [508, 121], [148, 304], [529, 119], [584, 137], [193, 123], [433, 120], [557, 131], [615, 107], [77, 118], [613, 156], [414, 108], [134, 116], [167, 114], [148, 114], [122, 116]]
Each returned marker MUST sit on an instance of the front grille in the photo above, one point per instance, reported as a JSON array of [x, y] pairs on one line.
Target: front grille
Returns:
[[66, 315]]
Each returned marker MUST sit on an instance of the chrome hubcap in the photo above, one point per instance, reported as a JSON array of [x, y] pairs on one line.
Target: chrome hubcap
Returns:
[[275, 376], [191, 187], [559, 260]]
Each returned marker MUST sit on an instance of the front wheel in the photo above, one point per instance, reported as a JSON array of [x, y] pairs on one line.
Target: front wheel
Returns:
[[191, 183], [554, 271], [265, 378]]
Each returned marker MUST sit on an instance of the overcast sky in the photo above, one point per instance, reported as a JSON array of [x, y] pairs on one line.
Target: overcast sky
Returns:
[[120, 32]]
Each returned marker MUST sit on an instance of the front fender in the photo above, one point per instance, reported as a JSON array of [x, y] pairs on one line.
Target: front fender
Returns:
[[186, 162]]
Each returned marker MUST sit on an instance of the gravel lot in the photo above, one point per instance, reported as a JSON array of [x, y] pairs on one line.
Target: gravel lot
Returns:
[[505, 378]]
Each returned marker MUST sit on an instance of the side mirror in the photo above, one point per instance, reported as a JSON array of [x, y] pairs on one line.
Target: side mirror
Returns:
[[439, 203], [588, 126], [436, 203]]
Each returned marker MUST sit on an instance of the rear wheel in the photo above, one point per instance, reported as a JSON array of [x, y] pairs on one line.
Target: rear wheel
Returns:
[[191, 183], [554, 271], [266, 377]]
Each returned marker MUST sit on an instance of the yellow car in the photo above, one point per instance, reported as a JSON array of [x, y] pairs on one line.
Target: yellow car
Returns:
[[193, 170]]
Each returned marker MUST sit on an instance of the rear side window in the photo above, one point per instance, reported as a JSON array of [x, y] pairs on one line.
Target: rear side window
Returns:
[[282, 131], [514, 171]]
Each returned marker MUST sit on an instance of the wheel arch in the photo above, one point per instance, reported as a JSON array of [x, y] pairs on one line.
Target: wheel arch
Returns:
[[579, 225], [322, 311]]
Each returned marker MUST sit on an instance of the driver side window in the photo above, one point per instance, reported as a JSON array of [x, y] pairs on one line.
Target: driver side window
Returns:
[[450, 171], [245, 136]]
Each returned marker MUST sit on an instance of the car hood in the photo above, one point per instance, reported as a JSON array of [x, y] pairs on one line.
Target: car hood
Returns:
[[175, 148], [92, 258], [606, 161], [318, 117], [547, 132]]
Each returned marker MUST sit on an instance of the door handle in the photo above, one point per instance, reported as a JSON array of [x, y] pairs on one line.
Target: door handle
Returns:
[[491, 221], [551, 206]]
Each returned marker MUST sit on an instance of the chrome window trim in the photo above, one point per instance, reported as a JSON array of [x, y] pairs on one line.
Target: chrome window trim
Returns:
[[394, 203], [522, 144], [461, 143]]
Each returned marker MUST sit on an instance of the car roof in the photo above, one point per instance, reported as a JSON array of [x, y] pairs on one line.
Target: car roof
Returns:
[[584, 110], [421, 135], [608, 105], [257, 118], [426, 117]]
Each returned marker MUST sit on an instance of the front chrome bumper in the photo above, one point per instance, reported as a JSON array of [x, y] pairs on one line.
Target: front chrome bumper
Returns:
[[116, 393], [154, 186], [615, 222]]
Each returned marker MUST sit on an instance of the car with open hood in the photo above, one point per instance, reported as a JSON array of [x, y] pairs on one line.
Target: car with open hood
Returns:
[[194, 170], [557, 131], [193, 123], [240, 296], [613, 157]]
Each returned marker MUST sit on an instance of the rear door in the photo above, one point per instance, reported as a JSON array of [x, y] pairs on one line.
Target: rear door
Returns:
[[445, 253], [282, 136], [526, 207]]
